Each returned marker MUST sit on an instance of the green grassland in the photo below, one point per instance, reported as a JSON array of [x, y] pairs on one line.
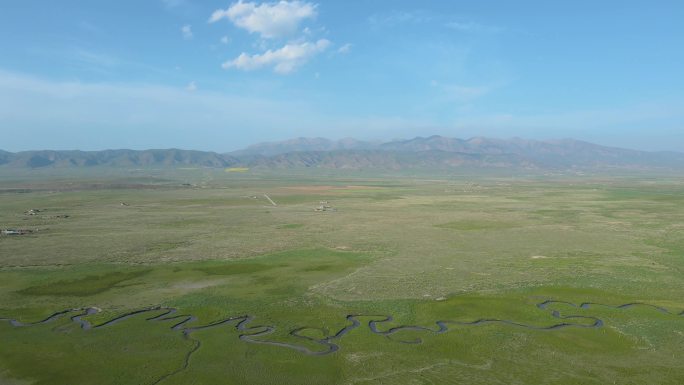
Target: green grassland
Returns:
[[418, 248]]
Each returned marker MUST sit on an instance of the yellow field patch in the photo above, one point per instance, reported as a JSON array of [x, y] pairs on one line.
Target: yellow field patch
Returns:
[[237, 169]]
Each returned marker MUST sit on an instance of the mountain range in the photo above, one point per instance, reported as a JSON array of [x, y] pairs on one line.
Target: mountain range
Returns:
[[434, 152]]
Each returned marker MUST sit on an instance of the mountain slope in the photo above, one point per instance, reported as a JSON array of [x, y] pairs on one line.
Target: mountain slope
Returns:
[[5, 157], [119, 158], [438, 152], [304, 144], [435, 152], [389, 160]]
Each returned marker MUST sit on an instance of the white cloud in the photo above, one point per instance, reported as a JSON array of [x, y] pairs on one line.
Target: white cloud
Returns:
[[225, 40], [192, 86], [186, 30], [345, 49], [283, 60], [269, 20]]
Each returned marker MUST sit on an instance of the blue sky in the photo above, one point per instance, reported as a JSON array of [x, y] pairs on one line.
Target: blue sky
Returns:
[[219, 75]]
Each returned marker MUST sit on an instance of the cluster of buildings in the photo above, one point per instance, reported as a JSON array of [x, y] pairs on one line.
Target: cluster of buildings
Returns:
[[324, 206]]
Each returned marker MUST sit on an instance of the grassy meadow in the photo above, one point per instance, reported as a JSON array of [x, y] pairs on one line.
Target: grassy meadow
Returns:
[[419, 248]]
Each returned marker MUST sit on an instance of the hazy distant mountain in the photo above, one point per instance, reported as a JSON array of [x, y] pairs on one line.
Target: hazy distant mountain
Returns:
[[5, 157], [435, 152], [391, 160], [564, 153], [442, 152], [304, 144], [118, 158]]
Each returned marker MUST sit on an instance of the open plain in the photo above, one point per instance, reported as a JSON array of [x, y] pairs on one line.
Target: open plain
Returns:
[[193, 276]]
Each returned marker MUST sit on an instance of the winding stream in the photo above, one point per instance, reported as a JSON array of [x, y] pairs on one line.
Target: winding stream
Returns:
[[254, 334]]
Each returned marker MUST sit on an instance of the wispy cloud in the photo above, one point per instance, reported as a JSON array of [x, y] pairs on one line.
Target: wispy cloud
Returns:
[[472, 27], [88, 61], [269, 20], [463, 93], [186, 30], [46, 113], [454, 22], [587, 120], [89, 27], [99, 59], [393, 18], [283, 60], [73, 114], [225, 40], [345, 49]]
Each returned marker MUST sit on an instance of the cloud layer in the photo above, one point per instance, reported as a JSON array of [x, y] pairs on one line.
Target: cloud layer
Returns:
[[42, 113], [276, 20], [283, 60], [269, 20]]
